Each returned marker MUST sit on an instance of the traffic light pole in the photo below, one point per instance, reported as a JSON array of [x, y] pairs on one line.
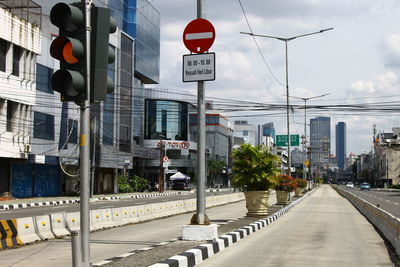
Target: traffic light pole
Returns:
[[84, 151]]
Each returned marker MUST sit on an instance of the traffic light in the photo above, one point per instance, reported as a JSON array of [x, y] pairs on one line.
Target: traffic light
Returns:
[[69, 49], [101, 54]]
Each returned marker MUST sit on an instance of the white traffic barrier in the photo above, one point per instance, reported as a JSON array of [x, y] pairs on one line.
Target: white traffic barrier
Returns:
[[73, 220], [43, 227], [190, 205], [101, 219], [158, 210], [117, 217], [133, 215], [26, 230], [58, 224], [145, 212], [126, 216]]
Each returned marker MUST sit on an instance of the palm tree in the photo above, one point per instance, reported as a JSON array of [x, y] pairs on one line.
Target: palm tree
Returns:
[[255, 168]]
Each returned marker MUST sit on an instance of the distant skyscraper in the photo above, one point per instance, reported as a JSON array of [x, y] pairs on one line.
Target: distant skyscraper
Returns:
[[268, 130], [320, 140], [341, 144]]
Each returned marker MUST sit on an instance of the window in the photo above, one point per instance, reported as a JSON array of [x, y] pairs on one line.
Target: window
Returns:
[[17, 51], [43, 126], [43, 78], [3, 54], [245, 132], [73, 131], [11, 108]]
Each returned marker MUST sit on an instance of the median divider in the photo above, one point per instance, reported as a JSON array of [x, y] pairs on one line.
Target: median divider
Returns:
[[388, 224], [26, 230], [43, 227], [9, 234], [58, 224], [73, 221]]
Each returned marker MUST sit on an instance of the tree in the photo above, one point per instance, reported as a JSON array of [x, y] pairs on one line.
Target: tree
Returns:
[[214, 168]]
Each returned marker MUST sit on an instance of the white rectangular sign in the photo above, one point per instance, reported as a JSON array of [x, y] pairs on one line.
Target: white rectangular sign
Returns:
[[198, 67]]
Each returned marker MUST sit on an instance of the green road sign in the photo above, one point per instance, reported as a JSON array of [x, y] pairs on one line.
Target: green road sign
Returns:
[[281, 140]]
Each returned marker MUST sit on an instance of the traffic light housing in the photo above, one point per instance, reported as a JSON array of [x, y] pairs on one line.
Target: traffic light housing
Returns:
[[69, 49], [101, 54]]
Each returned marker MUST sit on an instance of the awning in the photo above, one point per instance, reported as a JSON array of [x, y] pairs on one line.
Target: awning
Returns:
[[178, 176]]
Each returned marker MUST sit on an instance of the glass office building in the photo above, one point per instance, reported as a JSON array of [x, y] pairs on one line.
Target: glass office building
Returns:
[[166, 119]]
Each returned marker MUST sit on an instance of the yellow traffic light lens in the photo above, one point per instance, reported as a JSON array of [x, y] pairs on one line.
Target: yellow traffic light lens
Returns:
[[68, 55]]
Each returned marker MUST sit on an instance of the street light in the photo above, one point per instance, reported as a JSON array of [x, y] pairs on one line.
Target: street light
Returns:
[[305, 99], [286, 40]]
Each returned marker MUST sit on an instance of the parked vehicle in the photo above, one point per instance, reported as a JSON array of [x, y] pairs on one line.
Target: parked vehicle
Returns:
[[365, 186], [350, 185], [180, 186]]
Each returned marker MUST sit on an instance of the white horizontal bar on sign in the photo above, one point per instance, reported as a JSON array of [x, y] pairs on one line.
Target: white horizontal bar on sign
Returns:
[[199, 35]]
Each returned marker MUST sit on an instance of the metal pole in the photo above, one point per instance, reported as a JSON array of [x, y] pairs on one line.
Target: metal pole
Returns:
[[85, 153], [76, 249], [305, 140], [94, 130], [287, 110], [200, 217]]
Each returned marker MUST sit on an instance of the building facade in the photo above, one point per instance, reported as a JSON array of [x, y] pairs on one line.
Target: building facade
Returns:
[[320, 142], [20, 44], [117, 131], [341, 140], [248, 132]]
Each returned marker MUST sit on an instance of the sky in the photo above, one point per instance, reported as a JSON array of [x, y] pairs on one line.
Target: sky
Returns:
[[357, 62]]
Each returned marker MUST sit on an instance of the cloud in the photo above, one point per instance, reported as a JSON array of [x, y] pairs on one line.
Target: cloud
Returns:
[[391, 51]]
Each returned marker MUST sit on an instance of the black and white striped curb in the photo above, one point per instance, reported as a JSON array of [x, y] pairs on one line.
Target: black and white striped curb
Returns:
[[113, 259], [72, 201], [202, 252]]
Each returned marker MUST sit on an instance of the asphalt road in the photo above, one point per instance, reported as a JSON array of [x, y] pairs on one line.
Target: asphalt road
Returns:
[[113, 242], [103, 204], [386, 199], [323, 230]]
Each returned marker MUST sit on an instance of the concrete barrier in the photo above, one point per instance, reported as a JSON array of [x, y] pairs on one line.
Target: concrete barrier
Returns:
[[58, 224], [26, 230], [73, 220], [117, 217], [9, 234], [145, 212], [43, 227], [388, 224], [101, 219]]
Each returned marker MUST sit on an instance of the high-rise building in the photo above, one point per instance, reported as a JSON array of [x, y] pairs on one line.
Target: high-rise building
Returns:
[[268, 129], [341, 144], [320, 140]]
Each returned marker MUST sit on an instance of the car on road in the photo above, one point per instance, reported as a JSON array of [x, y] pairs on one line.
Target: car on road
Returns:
[[365, 186], [350, 185]]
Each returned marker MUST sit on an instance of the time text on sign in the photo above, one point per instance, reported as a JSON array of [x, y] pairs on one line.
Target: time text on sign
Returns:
[[198, 67]]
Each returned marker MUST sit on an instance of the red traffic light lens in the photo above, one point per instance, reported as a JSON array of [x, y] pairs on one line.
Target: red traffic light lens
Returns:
[[68, 55]]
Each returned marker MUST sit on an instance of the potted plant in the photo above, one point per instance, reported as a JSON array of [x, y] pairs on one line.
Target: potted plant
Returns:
[[301, 185], [286, 184], [255, 169]]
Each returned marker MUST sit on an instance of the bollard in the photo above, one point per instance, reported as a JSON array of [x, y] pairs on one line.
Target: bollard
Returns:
[[76, 249]]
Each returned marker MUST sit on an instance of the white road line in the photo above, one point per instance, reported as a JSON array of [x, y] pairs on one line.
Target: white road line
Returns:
[[396, 203], [108, 207], [380, 198], [387, 200], [141, 203]]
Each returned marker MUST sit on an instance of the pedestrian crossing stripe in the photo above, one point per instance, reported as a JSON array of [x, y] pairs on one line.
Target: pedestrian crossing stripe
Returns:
[[9, 234]]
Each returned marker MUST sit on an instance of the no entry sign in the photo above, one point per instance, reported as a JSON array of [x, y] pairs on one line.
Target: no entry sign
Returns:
[[199, 35]]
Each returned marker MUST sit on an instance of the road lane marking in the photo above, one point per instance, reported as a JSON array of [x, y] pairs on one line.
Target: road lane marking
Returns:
[[108, 207], [396, 203], [141, 203]]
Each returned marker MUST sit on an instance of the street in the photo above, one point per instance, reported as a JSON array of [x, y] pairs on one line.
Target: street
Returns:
[[385, 199], [113, 242], [323, 230]]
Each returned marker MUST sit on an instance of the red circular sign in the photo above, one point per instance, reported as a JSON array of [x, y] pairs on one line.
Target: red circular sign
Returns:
[[199, 35]]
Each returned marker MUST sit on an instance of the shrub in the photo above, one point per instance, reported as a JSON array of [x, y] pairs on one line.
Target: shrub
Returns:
[[302, 183], [286, 183], [254, 168]]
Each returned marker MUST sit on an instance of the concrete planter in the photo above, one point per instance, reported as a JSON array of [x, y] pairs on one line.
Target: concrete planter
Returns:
[[298, 192], [257, 203], [282, 197]]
